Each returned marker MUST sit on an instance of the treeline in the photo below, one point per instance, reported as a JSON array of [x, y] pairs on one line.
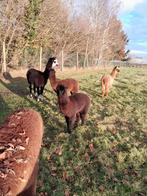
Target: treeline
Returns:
[[29, 28]]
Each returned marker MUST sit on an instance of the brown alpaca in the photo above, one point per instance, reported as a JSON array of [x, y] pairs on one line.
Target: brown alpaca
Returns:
[[20, 143], [74, 107], [107, 81], [71, 84]]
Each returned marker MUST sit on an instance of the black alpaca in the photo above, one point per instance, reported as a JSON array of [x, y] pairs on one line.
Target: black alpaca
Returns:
[[74, 107], [38, 79]]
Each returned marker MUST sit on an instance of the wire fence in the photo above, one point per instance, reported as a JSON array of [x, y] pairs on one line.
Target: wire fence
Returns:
[[34, 57], [103, 63]]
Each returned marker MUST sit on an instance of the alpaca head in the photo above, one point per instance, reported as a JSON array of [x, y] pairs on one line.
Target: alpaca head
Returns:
[[61, 90], [116, 68], [52, 63]]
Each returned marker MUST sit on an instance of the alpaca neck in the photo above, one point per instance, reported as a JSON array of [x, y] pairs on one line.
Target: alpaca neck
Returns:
[[53, 80], [49, 65], [113, 74], [46, 74]]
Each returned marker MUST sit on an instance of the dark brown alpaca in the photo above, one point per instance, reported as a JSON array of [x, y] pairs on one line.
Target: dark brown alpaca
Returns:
[[38, 79], [20, 143], [74, 107], [71, 84], [107, 81]]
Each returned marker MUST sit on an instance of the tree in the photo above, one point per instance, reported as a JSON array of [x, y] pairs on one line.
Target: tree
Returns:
[[11, 28]]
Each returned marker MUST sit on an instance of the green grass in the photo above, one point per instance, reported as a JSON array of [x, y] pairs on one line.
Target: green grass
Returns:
[[107, 156]]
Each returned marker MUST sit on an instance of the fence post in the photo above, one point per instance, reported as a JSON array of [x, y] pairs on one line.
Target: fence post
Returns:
[[77, 65], [4, 67], [40, 58], [62, 60], [87, 61]]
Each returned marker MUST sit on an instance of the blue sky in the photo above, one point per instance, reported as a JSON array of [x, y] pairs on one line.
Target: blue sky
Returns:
[[134, 19], [133, 14]]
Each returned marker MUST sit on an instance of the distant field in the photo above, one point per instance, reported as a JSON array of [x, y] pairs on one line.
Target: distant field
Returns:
[[107, 156]]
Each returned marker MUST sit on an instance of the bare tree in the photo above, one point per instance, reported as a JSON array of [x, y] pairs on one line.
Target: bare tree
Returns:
[[11, 28], [54, 28]]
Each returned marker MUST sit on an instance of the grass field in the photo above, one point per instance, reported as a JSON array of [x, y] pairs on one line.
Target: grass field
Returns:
[[108, 155]]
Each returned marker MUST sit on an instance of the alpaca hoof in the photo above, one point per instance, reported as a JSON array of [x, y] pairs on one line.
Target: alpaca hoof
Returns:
[[40, 98], [36, 95], [30, 95]]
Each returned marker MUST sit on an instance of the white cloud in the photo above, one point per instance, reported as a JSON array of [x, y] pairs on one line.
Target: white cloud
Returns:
[[138, 52], [142, 43], [128, 5]]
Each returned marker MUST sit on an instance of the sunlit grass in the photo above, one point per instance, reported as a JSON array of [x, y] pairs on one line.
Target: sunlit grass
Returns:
[[107, 155]]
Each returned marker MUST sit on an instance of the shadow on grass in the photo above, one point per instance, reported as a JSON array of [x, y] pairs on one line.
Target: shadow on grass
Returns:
[[5, 110], [16, 85]]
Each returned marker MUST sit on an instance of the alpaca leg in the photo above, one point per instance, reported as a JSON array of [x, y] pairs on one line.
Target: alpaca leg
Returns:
[[67, 123], [38, 93], [35, 91], [106, 91], [84, 112], [41, 90], [103, 90], [30, 87], [83, 118], [77, 119], [70, 123], [106, 94]]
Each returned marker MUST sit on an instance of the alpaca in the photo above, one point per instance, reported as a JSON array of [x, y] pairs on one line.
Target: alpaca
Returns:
[[107, 81], [71, 84], [38, 79], [20, 143], [52, 63], [74, 107]]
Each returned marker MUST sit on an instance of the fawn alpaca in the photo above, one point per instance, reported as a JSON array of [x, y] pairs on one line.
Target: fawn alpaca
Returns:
[[107, 81], [20, 143], [74, 107], [38, 79], [71, 84]]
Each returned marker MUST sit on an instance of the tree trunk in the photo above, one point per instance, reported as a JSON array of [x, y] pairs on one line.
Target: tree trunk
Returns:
[[77, 65], [62, 60], [85, 59], [41, 58], [4, 66]]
